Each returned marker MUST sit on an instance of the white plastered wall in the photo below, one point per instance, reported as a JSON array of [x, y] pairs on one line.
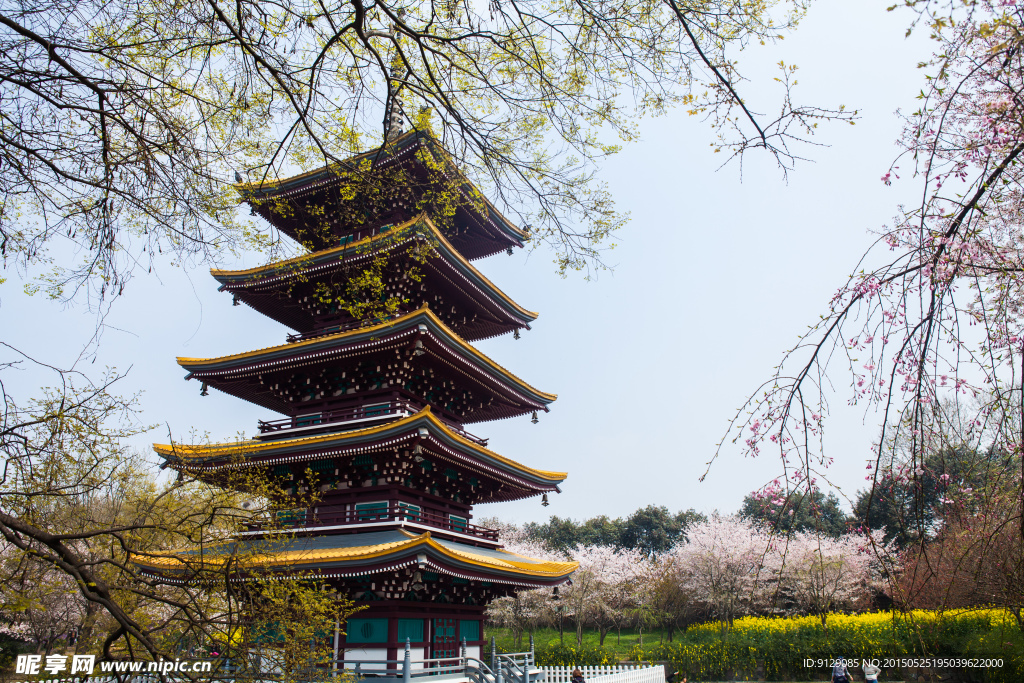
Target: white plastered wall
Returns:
[[368, 654]]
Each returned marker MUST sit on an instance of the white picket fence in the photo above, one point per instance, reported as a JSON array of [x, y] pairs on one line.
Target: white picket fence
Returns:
[[628, 673]]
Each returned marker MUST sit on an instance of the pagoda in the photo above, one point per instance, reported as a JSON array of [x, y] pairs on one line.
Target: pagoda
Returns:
[[374, 409]]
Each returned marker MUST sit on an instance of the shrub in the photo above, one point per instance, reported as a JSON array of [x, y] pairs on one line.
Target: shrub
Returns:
[[556, 654]]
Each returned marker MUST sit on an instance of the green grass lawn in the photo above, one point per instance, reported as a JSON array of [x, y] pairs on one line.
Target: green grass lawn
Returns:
[[618, 643]]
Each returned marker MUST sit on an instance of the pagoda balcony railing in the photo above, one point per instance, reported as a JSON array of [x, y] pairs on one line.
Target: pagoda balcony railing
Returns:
[[393, 513], [369, 411]]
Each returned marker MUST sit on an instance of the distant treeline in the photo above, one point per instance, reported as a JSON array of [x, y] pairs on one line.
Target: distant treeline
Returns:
[[901, 507], [651, 530], [654, 529]]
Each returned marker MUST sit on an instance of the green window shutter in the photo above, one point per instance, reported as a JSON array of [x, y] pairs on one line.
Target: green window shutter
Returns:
[[411, 629], [469, 629], [458, 523], [377, 409], [367, 631], [409, 512], [321, 465], [371, 511]]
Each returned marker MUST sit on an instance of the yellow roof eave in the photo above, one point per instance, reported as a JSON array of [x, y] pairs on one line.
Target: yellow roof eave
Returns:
[[254, 447], [425, 310], [546, 569]]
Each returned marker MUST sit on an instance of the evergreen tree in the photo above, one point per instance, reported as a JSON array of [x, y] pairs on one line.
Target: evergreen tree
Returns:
[[799, 511]]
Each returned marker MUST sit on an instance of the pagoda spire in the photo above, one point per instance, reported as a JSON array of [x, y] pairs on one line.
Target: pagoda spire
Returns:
[[395, 118]]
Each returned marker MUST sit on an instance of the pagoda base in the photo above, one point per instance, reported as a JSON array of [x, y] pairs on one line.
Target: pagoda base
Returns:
[[378, 634]]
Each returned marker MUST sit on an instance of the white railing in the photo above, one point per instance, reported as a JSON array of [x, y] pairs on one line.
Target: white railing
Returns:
[[627, 673]]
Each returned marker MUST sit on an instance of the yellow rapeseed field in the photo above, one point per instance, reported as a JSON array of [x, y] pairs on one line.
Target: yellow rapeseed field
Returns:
[[799, 648]]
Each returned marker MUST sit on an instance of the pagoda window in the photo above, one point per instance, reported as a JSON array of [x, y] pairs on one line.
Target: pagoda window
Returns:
[[322, 465], [409, 512], [411, 629], [458, 523], [366, 512], [367, 631], [377, 409], [469, 629]]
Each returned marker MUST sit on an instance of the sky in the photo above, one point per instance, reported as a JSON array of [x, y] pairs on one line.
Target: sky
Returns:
[[714, 277]]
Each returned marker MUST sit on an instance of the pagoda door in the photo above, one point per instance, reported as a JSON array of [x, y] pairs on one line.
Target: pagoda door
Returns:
[[444, 643]]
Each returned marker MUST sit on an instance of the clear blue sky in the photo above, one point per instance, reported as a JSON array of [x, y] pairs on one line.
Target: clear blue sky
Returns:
[[714, 278]]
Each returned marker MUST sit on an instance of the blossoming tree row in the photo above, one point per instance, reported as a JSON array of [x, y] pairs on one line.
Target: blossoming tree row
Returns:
[[726, 568]]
